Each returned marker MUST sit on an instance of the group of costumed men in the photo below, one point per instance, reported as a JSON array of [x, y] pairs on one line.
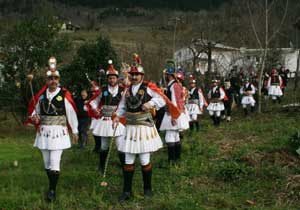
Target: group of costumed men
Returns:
[[126, 113]]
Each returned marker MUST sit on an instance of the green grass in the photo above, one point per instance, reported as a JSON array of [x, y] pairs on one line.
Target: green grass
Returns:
[[245, 164]]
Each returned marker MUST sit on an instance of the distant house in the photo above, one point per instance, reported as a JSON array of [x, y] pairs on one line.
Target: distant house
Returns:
[[69, 27], [225, 58]]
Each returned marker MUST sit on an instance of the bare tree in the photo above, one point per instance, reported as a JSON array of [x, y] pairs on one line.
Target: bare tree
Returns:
[[269, 36]]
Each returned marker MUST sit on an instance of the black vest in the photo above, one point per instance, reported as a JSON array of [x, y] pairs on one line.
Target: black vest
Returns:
[[169, 93], [215, 94], [108, 99], [134, 103], [275, 80], [57, 106], [194, 94], [248, 88]]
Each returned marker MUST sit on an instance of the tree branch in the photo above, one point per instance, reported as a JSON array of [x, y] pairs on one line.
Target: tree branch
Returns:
[[253, 26]]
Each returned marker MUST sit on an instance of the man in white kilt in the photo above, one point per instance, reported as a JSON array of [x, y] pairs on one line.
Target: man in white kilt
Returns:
[[103, 105], [196, 102], [170, 125], [216, 95], [50, 111], [247, 91], [141, 136], [275, 85]]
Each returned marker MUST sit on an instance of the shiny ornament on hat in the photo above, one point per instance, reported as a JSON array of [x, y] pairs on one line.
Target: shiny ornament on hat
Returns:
[[180, 75], [111, 70], [52, 72], [136, 66]]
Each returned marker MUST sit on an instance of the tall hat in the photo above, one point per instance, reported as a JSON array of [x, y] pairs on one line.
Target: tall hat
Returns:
[[180, 75], [215, 80], [111, 70], [192, 79], [170, 67], [136, 66], [52, 72]]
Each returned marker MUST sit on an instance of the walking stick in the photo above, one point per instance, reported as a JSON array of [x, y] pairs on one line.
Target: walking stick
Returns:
[[104, 183], [29, 79]]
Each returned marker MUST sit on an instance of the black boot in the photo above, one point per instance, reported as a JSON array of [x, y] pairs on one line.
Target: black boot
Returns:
[[49, 176], [213, 117], [197, 126], [191, 126], [218, 121], [128, 171], [122, 158], [51, 195], [147, 175], [177, 150], [102, 160], [171, 152], [252, 108], [245, 111], [97, 144]]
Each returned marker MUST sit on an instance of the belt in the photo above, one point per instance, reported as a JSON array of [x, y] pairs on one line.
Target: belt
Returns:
[[193, 101], [139, 118], [53, 120], [107, 110]]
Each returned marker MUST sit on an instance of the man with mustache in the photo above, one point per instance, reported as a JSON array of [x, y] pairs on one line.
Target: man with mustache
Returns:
[[51, 109], [141, 137], [103, 105]]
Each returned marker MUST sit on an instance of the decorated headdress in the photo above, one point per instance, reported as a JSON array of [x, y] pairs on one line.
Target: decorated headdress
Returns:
[[180, 75], [192, 79], [52, 72], [111, 70], [136, 66], [170, 67]]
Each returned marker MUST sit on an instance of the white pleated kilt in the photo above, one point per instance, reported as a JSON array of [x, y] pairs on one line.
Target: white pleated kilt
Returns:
[[275, 90], [52, 137], [93, 122], [248, 100], [182, 122], [216, 106], [140, 139], [194, 109], [103, 127]]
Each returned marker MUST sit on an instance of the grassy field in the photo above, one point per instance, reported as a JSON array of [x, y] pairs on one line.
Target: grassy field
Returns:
[[245, 164]]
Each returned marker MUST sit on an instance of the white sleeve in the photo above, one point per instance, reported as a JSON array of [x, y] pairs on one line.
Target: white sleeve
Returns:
[[222, 93], [253, 89], [157, 100], [209, 94], [94, 103], [201, 99], [71, 117], [242, 90], [121, 110], [269, 82]]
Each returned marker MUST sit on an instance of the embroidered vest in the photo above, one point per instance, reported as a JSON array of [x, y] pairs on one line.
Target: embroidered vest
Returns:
[[108, 99], [134, 103], [56, 107]]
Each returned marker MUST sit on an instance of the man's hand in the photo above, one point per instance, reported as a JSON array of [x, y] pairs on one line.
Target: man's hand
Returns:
[[35, 119], [96, 112], [146, 106], [115, 122], [75, 138]]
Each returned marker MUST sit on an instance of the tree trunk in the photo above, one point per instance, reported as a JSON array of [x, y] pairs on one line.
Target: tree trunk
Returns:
[[260, 82]]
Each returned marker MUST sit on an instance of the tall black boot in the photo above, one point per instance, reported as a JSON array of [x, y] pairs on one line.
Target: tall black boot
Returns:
[[171, 152], [147, 175], [213, 119], [122, 158], [252, 109], [279, 99], [128, 171], [102, 160], [177, 150], [54, 175], [191, 126], [245, 111], [97, 144], [218, 121], [197, 126], [48, 175]]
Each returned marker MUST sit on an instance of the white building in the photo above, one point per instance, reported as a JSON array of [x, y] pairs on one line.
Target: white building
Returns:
[[225, 58]]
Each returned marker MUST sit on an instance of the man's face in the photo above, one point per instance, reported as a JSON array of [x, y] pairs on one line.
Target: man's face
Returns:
[[84, 94], [112, 80], [192, 84], [52, 82], [136, 78]]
